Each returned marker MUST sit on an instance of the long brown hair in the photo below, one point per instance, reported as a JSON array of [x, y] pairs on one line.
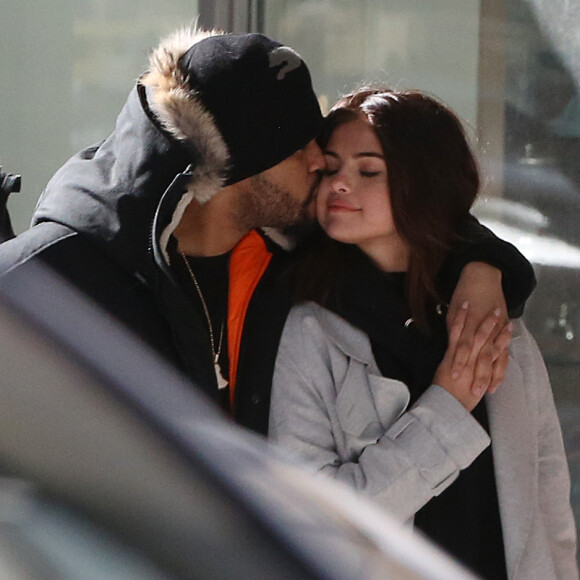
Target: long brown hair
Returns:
[[433, 180]]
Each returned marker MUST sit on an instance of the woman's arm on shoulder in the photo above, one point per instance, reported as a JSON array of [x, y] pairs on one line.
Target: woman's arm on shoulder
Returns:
[[489, 273]]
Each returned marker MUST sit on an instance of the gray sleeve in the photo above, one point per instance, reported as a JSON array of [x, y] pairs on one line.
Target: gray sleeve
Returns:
[[417, 457], [553, 474]]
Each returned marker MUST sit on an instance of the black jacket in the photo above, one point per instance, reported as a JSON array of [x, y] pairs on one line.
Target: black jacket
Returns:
[[104, 219], [103, 223]]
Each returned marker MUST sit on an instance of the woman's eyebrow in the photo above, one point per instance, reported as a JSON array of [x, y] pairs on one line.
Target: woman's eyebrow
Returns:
[[370, 154]]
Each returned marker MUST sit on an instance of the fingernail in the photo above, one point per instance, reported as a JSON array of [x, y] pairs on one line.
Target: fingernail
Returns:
[[465, 305], [510, 326], [455, 374], [479, 390], [497, 311]]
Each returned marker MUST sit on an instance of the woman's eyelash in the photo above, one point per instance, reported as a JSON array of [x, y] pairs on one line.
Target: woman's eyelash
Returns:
[[329, 172]]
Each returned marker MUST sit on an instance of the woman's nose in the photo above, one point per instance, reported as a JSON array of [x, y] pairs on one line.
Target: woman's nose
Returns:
[[340, 183]]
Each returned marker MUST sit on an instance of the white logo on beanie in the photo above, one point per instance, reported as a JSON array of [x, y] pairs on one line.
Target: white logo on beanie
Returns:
[[286, 56]]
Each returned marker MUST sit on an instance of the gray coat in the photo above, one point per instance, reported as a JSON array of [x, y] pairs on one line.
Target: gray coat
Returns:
[[333, 408]]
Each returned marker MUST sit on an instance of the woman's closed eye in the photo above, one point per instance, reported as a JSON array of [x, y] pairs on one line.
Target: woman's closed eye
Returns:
[[329, 171]]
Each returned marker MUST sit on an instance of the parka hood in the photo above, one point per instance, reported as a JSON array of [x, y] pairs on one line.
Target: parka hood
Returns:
[[112, 192]]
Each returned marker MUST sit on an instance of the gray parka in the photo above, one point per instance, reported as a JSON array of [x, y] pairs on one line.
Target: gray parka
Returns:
[[332, 408]]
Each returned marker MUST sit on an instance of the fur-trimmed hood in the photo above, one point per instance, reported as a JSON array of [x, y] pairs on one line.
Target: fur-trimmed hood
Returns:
[[119, 193]]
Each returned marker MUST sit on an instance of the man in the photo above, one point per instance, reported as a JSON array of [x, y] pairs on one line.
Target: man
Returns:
[[173, 223]]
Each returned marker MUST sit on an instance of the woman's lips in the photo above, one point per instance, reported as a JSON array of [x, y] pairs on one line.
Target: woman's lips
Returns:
[[340, 205]]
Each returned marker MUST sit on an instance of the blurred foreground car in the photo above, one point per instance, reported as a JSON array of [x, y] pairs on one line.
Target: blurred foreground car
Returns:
[[112, 466]]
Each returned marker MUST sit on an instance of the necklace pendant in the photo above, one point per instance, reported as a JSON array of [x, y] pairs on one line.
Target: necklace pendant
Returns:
[[221, 382]]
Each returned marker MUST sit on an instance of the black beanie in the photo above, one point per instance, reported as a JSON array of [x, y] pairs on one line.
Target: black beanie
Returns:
[[260, 95]]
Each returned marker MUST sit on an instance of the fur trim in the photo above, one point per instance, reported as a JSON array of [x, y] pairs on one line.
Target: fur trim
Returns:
[[183, 115], [175, 219], [285, 241]]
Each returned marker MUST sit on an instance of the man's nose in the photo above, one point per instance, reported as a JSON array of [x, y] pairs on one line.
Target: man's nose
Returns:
[[314, 156]]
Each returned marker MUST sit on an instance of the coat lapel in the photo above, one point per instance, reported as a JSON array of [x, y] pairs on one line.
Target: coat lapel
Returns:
[[365, 394], [514, 462]]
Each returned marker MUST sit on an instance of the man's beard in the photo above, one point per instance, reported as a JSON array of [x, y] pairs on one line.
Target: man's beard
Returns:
[[266, 204]]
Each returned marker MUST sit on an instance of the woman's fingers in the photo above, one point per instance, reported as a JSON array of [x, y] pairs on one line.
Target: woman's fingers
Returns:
[[500, 365], [504, 338], [470, 344], [484, 353], [499, 368], [480, 284], [485, 370], [457, 326]]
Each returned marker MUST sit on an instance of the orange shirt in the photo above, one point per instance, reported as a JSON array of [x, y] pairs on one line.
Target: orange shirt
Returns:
[[248, 262]]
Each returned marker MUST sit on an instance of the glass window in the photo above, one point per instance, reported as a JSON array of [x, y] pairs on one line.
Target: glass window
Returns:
[[346, 43]]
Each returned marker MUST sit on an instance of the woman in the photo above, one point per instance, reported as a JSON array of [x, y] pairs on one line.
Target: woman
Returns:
[[363, 389]]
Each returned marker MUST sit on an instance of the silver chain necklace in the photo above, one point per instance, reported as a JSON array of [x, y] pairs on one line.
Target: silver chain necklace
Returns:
[[221, 381]]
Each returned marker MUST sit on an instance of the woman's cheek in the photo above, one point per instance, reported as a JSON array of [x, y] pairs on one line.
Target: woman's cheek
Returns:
[[321, 198]]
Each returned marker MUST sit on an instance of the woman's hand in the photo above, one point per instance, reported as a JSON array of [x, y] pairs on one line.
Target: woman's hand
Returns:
[[485, 362], [480, 285]]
